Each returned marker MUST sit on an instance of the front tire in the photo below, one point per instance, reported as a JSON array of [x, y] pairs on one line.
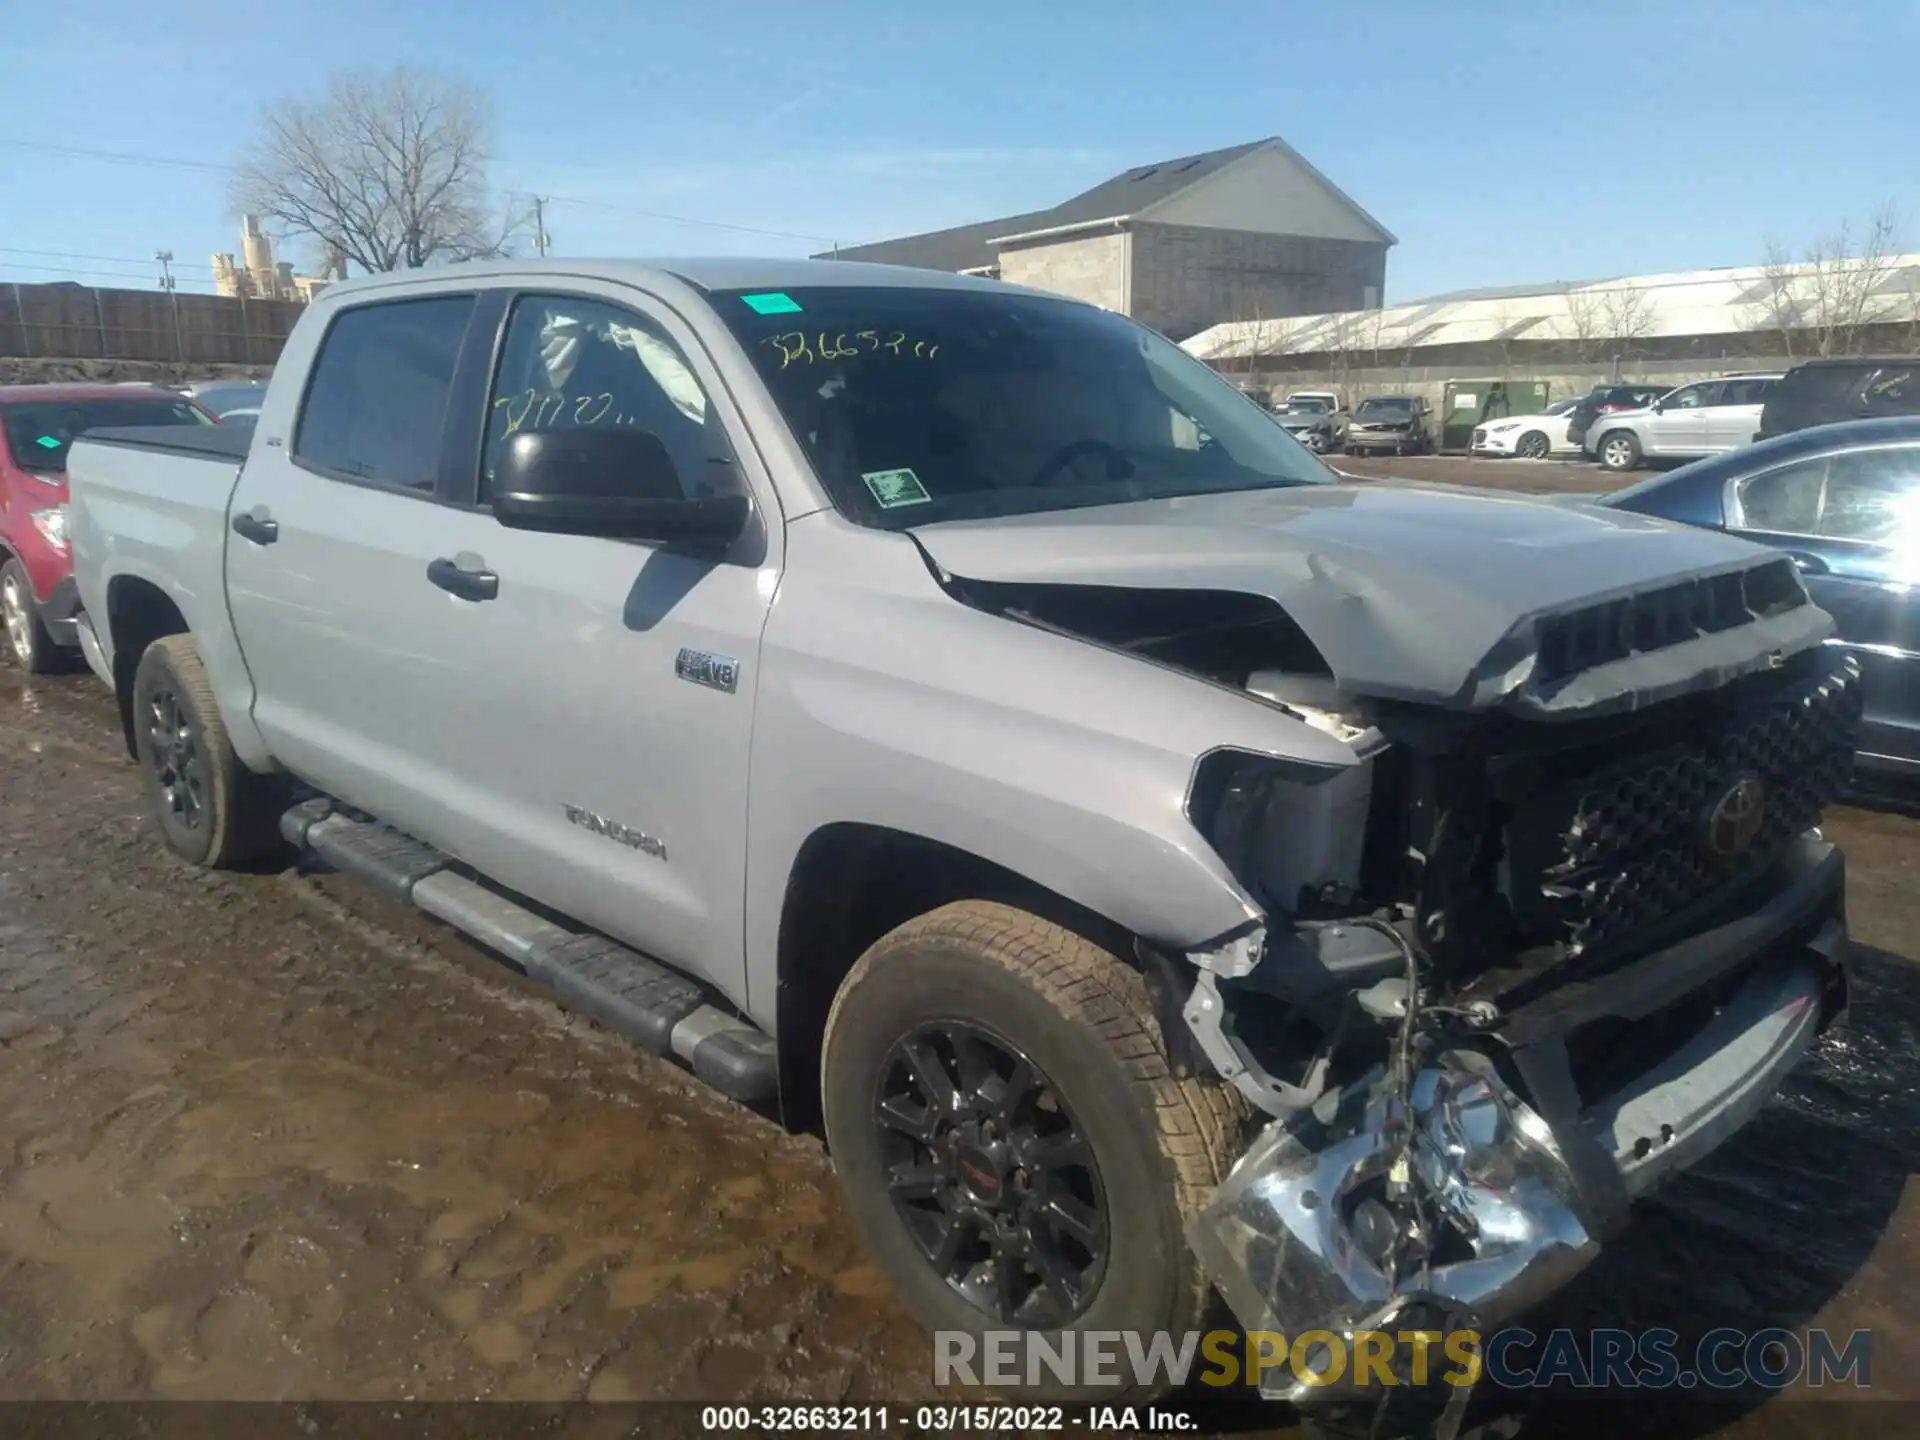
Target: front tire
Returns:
[[28, 640], [1618, 451], [212, 811], [1533, 445], [1011, 1140]]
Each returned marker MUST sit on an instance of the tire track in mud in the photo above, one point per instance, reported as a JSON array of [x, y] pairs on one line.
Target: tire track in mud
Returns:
[[262, 1137]]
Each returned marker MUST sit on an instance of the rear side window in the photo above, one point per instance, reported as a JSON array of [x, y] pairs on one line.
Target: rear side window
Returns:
[[1874, 495], [1786, 500], [1746, 392], [377, 398], [1822, 384], [1893, 391]]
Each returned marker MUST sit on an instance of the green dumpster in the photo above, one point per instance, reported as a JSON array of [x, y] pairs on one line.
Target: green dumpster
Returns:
[[1467, 403]]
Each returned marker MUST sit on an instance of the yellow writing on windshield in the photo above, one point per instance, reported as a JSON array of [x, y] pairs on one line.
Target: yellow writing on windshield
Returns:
[[801, 347]]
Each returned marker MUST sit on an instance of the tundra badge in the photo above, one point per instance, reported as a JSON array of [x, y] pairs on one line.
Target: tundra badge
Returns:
[[614, 830], [702, 667]]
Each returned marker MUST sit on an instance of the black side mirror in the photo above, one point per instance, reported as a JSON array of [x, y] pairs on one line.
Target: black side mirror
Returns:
[[618, 482]]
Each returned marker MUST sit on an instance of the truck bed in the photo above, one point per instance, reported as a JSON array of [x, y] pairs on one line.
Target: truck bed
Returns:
[[148, 505], [226, 442]]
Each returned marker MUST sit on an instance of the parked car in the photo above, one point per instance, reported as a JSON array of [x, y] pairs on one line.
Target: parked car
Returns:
[[235, 402], [1314, 420], [1049, 836], [1843, 501], [38, 423], [1610, 399], [1402, 424], [1528, 437], [1820, 392], [1684, 424]]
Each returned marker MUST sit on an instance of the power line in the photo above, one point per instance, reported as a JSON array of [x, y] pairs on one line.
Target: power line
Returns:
[[178, 163], [686, 219], [117, 156], [72, 255], [144, 275]]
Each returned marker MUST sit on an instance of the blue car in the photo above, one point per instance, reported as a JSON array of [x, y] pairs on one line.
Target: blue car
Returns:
[[1844, 501]]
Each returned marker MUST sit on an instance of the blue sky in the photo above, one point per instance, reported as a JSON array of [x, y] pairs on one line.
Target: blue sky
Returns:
[[1502, 142]]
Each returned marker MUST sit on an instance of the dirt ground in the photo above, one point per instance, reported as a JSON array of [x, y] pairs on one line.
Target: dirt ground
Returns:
[[266, 1137], [1543, 477]]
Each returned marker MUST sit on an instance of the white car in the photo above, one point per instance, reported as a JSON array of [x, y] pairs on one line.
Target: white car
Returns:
[[1704, 418], [1530, 437]]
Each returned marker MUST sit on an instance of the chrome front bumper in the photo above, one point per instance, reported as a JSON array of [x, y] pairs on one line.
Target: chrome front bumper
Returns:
[[1523, 1189]]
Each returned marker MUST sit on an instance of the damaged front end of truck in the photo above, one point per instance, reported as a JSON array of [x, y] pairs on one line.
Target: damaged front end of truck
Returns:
[[1552, 963], [1560, 927]]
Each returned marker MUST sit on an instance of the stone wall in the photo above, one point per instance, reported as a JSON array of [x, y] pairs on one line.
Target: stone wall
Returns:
[[1084, 267], [1186, 278]]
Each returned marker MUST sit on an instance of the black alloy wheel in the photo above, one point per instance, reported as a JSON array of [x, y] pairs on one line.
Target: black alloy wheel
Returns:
[[178, 759], [991, 1174]]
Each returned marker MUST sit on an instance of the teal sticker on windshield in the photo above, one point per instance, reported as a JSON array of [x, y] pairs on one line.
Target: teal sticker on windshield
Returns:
[[894, 488], [773, 302], [49, 441]]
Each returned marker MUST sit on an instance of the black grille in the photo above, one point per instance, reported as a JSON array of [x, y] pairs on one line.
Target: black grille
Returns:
[[1629, 845], [1670, 615]]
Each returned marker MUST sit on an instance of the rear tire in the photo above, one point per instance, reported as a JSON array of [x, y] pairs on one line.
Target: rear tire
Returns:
[[1618, 451], [28, 640], [212, 811], [1077, 1039]]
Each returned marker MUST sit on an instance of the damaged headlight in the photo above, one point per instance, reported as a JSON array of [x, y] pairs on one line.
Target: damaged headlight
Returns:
[[1284, 828], [1342, 1220]]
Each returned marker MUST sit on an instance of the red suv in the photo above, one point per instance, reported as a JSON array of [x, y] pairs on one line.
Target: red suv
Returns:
[[37, 424]]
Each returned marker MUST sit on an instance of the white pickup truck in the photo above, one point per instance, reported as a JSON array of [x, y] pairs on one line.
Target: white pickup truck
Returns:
[[954, 713]]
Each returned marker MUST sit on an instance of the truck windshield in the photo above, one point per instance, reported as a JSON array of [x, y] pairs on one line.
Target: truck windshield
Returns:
[[39, 432], [1385, 409], [924, 405], [1308, 407]]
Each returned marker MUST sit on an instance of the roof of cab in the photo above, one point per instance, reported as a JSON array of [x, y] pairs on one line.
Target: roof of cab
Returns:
[[714, 273]]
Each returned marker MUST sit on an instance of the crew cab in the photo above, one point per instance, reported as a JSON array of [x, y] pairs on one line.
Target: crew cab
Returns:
[[951, 713]]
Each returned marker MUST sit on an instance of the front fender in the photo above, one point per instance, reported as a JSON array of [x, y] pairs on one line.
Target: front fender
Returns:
[[882, 701]]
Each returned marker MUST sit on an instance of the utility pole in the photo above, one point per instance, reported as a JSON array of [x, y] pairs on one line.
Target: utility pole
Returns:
[[165, 257], [541, 240]]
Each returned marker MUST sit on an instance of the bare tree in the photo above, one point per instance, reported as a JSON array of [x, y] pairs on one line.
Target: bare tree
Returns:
[[1626, 315], [1823, 303], [1585, 324], [1264, 339], [389, 171]]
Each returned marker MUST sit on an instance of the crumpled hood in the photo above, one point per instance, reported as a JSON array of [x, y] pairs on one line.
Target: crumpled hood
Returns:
[[1409, 593]]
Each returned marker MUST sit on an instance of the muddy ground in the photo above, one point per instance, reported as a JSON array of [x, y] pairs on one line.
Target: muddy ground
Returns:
[[1544, 477], [266, 1137]]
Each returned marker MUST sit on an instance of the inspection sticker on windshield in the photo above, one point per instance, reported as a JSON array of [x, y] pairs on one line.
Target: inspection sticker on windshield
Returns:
[[773, 302], [893, 488]]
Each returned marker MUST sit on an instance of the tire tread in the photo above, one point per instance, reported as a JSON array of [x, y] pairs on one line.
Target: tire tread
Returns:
[[1197, 1122], [245, 810]]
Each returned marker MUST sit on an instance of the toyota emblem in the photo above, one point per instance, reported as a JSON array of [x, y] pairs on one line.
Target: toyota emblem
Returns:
[[1733, 824]]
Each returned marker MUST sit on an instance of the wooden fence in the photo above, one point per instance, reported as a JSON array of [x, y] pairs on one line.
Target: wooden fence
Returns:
[[82, 322]]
